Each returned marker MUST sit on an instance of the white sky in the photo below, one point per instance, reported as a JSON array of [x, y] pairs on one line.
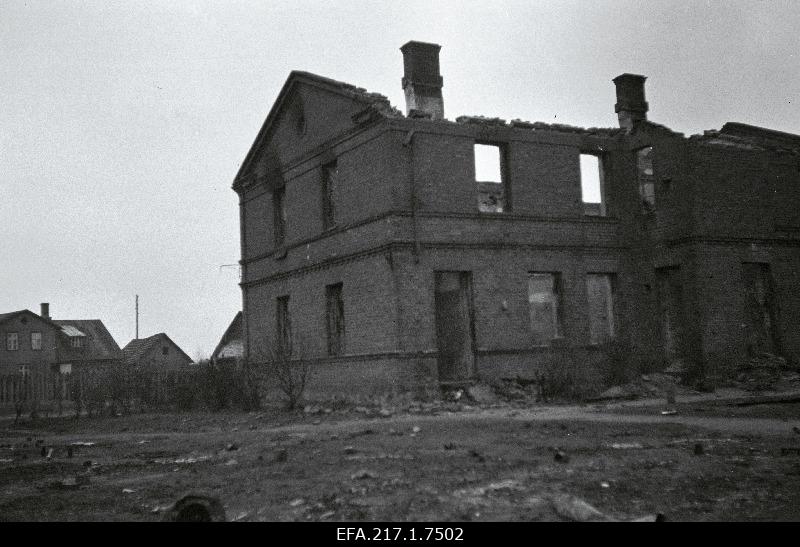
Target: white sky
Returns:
[[122, 124]]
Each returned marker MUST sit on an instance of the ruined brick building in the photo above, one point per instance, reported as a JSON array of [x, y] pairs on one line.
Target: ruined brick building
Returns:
[[369, 247]]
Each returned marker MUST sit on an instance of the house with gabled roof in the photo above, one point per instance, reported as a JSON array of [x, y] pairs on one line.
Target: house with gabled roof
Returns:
[[158, 350], [231, 346], [30, 339], [87, 342]]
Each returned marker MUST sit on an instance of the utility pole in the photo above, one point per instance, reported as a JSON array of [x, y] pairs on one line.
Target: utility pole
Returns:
[[137, 316]]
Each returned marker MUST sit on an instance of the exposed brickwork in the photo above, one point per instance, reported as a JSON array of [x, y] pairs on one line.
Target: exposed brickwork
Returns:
[[406, 206]]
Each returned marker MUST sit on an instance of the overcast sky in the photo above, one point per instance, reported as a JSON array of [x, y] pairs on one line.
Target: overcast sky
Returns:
[[122, 124]]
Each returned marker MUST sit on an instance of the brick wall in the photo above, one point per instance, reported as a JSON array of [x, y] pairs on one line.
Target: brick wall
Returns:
[[23, 325], [388, 288]]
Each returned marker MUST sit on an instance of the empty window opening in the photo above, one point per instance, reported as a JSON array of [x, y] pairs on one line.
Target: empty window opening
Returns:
[[329, 173], [489, 178], [600, 295], [36, 340], [12, 341], [592, 185], [760, 312], [76, 341], [334, 315], [544, 303], [647, 187], [279, 215], [164, 350], [283, 325]]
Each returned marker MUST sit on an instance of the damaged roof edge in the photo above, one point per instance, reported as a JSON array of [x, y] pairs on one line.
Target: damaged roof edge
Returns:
[[748, 136]]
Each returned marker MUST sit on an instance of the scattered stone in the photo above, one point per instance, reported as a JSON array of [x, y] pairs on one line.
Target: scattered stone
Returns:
[[626, 446], [128, 491], [363, 474], [231, 447], [361, 433], [327, 515], [450, 446], [561, 457], [482, 394], [71, 483], [575, 509], [415, 429], [605, 485], [297, 502], [196, 508], [231, 462], [350, 450], [668, 412], [241, 516], [384, 413]]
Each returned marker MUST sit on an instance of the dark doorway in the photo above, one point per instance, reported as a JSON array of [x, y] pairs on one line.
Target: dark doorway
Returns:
[[454, 326], [760, 310], [670, 302]]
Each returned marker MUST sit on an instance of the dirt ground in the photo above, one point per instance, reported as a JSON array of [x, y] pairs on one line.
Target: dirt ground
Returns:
[[710, 461]]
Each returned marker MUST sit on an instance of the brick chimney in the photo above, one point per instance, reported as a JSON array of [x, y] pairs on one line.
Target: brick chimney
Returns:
[[45, 310], [631, 108], [422, 82]]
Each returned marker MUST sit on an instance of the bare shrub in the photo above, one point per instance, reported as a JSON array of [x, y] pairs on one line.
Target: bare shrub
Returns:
[[290, 376]]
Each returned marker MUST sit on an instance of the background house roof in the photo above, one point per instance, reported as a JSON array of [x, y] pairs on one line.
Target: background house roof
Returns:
[[137, 348], [231, 344], [10, 315], [101, 345]]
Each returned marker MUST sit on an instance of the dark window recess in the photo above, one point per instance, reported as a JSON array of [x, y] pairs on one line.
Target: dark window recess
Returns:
[[164, 350], [600, 294], [279, 215], [329, 174], [671, 310], [647, 185], [593, 185], [544, 303], [334, 315], [760, 309], [283, 326], [490, 178]]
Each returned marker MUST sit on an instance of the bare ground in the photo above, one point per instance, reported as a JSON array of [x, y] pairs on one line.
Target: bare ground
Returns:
[[453, 463]]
